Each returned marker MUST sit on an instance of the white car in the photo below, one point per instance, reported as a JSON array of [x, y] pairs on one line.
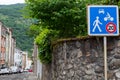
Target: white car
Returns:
[[13, 69], [4, 70], [20, 70], [25, 70]]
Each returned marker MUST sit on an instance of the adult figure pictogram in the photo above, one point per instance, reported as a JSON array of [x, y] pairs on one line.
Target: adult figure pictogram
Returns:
[[96, 24]]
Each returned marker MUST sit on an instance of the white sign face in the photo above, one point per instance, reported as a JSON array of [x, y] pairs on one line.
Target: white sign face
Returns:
[[103, 20]]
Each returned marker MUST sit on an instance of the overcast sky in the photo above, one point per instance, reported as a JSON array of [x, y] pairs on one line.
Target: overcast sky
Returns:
[[7, 2]]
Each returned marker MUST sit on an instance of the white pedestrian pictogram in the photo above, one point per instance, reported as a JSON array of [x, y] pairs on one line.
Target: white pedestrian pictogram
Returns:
[[96, 24], [108, 17]]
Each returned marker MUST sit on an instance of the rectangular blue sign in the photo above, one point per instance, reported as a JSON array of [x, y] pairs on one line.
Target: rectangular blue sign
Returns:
[[103, 20]]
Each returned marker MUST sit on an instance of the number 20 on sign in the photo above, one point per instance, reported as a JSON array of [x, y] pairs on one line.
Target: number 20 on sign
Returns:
[[111, 27]]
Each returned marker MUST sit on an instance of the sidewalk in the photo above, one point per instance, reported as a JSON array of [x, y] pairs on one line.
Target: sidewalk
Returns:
[[31, 76]]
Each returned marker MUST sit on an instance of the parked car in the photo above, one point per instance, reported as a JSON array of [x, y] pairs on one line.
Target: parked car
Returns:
[[20, 70], [4, 70], [30, 70], [13, 69], [25, 70]]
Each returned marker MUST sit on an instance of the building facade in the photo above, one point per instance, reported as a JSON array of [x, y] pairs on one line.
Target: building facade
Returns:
[[18, 58], [29, 64], [3, 45], [13, 45], [7, 45], [24, 59], [9, 54]]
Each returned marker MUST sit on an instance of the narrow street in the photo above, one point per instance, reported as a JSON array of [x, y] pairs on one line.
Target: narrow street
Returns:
[[21, 76]]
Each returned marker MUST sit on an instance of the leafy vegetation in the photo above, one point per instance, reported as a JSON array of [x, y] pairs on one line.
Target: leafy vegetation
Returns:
[[44, 41], [66, 18], [11, 16]]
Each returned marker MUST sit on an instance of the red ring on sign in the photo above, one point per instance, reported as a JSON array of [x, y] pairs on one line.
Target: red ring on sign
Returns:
[[111, 27]]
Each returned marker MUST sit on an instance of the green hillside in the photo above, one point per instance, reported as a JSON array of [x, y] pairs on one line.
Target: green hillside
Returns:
[[11, 16]]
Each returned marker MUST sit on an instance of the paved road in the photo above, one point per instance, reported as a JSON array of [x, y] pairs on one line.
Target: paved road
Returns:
[[21, 76]]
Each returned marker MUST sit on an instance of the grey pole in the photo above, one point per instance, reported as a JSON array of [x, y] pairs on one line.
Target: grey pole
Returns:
[[105, 57]]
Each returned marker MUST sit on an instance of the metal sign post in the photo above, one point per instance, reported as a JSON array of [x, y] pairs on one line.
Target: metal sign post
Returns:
[[105, 57]]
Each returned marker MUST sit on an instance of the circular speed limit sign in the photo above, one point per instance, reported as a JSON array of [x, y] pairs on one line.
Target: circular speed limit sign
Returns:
[[111, 27]]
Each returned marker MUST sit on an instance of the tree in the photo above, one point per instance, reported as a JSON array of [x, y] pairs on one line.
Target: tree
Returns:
[[66, 18]]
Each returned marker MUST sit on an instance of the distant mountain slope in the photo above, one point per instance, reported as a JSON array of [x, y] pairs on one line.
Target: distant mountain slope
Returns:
[[11, 16]]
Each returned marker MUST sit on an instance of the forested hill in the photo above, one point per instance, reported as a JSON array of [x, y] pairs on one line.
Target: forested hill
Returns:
[[11, 16]]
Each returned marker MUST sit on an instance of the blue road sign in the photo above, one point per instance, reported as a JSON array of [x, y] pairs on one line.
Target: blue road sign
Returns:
[[103, 20]]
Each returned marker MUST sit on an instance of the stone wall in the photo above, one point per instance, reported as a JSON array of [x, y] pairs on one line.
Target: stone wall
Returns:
[[83, 59], [46, 72]]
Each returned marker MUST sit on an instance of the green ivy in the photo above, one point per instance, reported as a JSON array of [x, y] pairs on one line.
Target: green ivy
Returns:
[[43, 40]]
